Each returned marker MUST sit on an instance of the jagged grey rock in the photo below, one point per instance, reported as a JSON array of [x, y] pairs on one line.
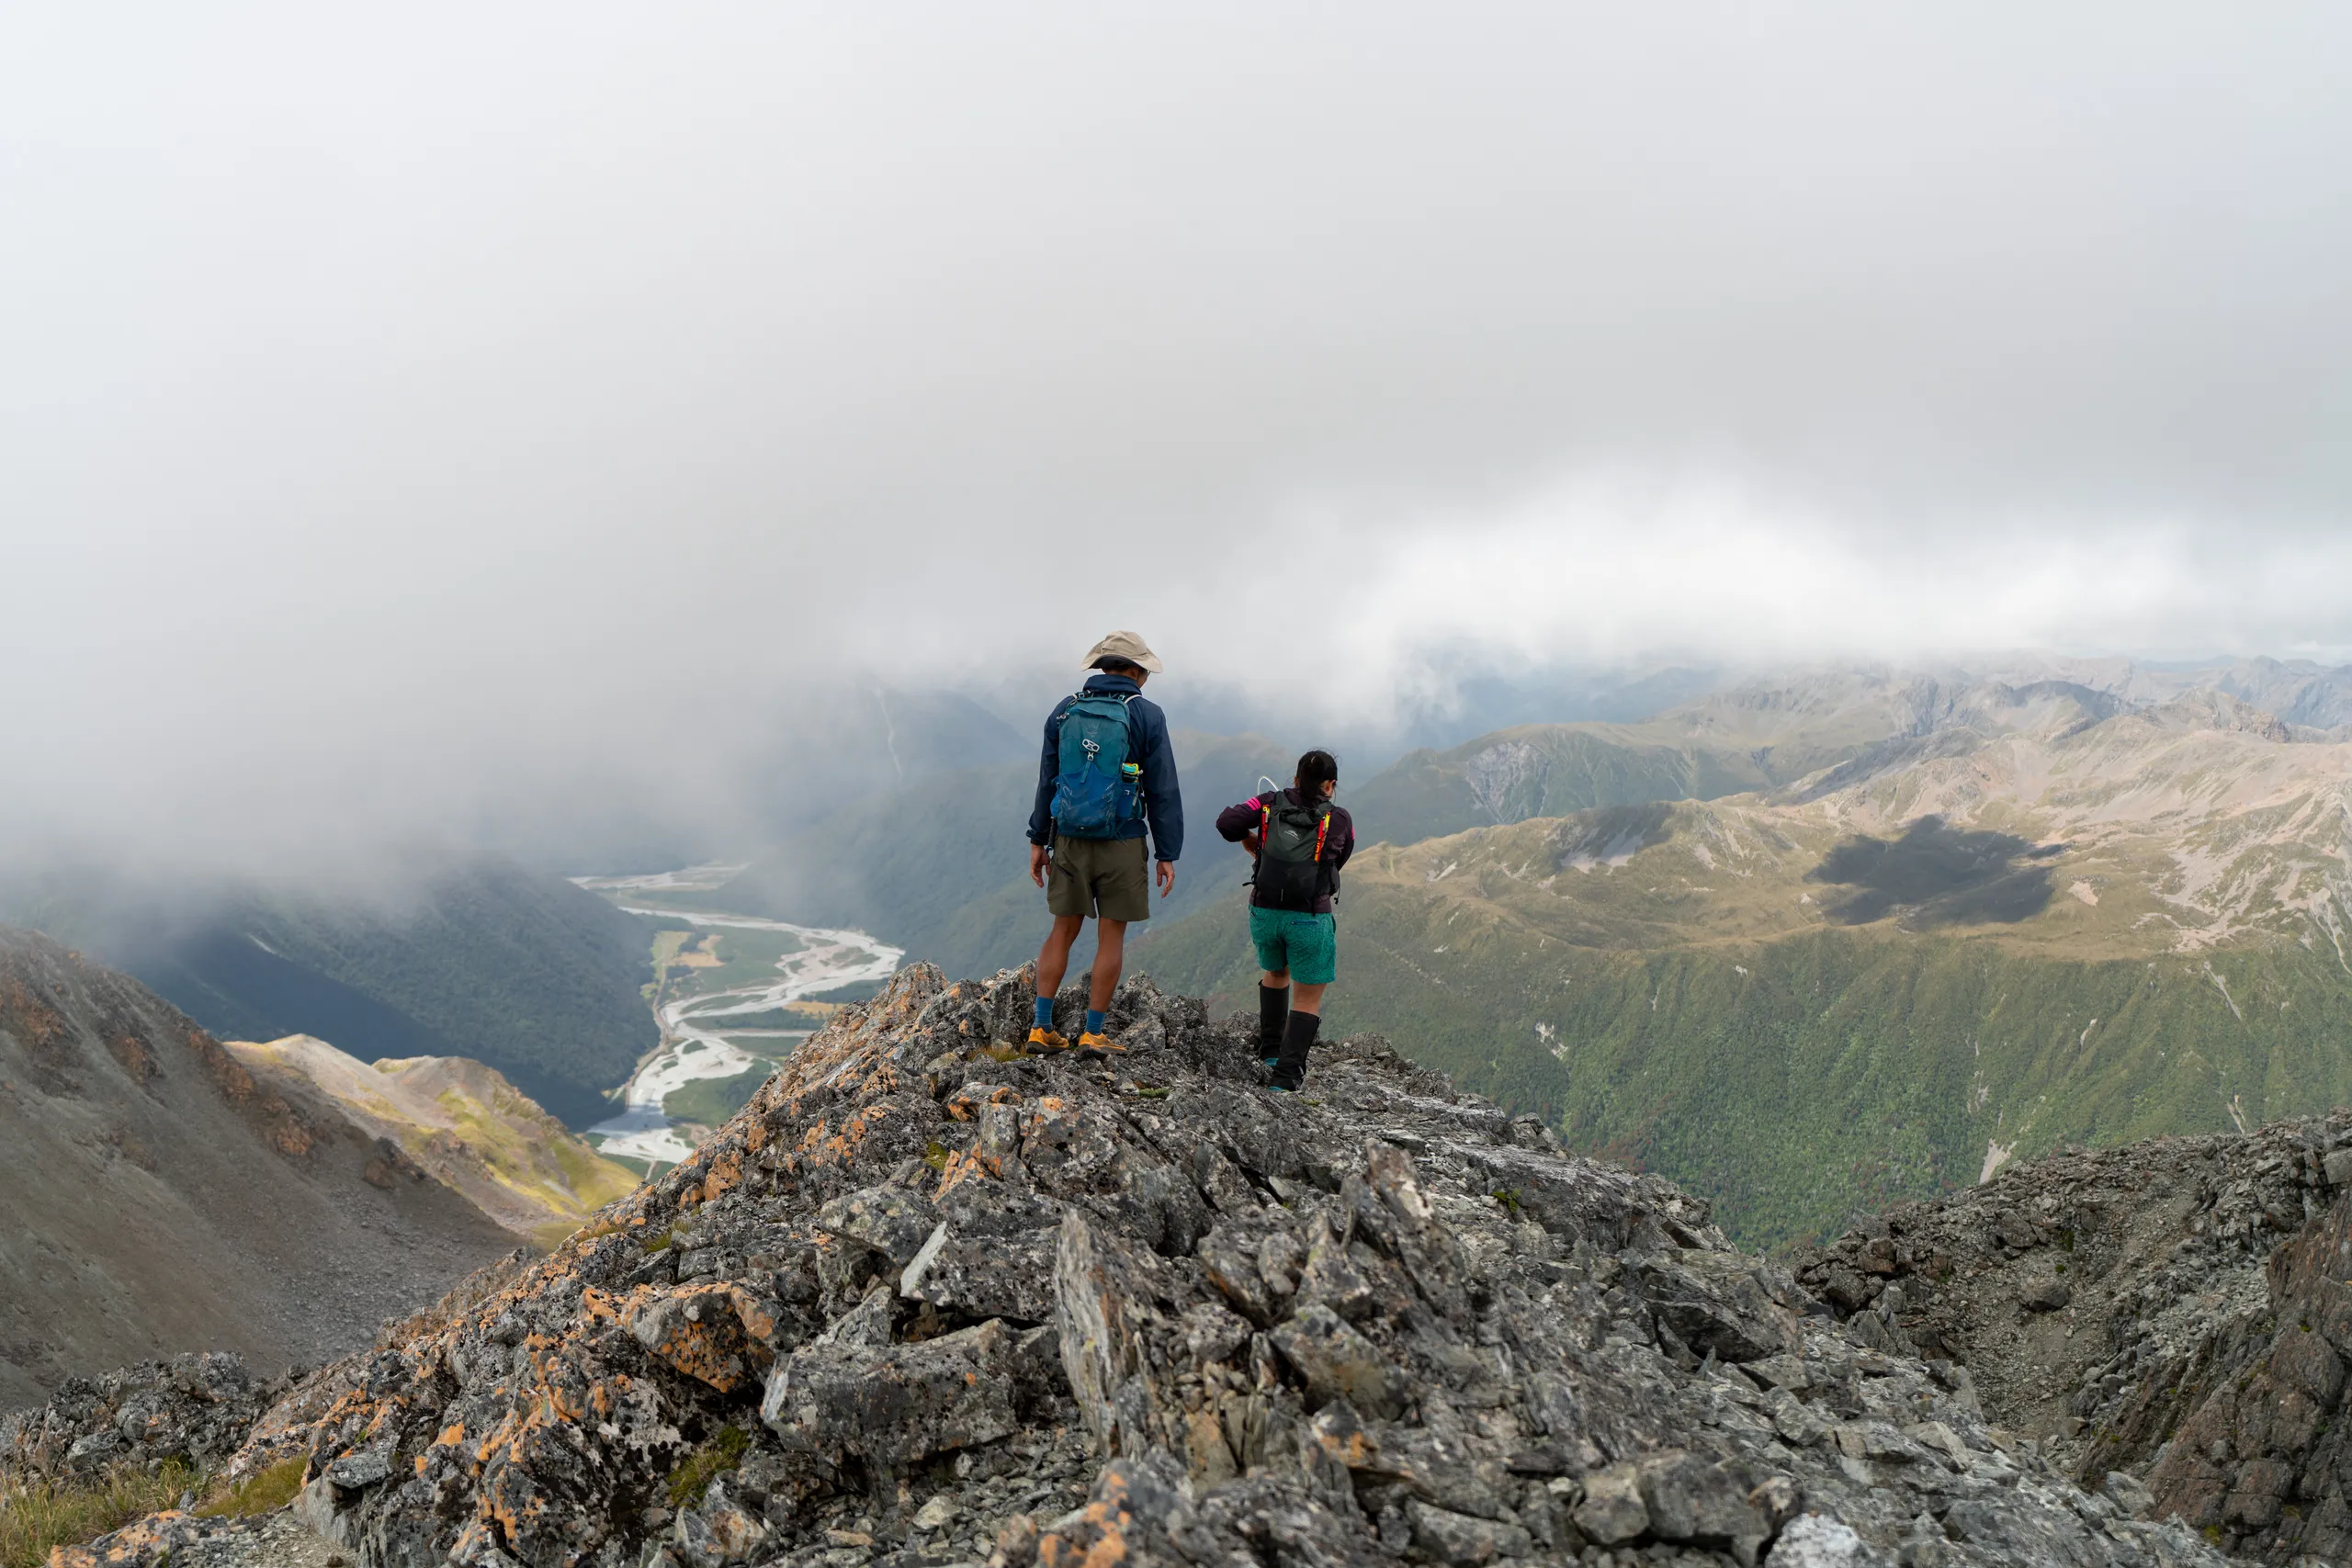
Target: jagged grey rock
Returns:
[[2165, 1322], [907, 1402], [196, 1408], [1817, 1540], [1613, 1510], [1373, 1322]]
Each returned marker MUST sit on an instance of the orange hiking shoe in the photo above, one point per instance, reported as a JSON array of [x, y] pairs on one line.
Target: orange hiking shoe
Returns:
[[1044, 1041], [1098, 1043]]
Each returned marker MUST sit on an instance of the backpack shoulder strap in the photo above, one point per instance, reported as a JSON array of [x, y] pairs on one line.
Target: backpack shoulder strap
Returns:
[[1134, 733]]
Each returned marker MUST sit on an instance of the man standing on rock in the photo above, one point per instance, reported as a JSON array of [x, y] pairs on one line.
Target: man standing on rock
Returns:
[[1107, 770]]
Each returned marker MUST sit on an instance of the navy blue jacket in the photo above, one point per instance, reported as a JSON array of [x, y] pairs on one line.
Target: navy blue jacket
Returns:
[[1162, 801]]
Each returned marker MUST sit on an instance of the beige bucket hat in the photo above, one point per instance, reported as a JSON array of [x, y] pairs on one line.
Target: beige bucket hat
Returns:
[[1122, 645]]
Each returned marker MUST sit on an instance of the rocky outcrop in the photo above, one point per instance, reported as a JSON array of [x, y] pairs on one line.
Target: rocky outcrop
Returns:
[[2262, 1459], [2175, 1310], [155, 1196], [197, 1409], [928, 1302]]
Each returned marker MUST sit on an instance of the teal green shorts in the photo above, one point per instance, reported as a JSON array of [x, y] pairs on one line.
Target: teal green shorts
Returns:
[[1307, 945]]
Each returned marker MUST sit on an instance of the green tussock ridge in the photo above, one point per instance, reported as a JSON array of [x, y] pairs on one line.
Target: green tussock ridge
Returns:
[[38, 1514], [1427, 794], [263, 1491]]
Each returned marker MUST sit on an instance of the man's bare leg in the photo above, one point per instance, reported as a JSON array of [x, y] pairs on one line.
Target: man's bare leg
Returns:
[[1053, 959], [1110, 955]]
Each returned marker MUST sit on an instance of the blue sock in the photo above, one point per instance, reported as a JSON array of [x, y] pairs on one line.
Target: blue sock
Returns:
[[1094, 1021], [1044, 1012]]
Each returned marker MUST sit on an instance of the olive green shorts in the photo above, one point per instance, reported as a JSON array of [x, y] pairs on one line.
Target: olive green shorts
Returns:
[[1103, 877]]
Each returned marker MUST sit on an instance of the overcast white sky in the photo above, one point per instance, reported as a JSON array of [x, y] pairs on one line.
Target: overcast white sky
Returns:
[[403, 406]]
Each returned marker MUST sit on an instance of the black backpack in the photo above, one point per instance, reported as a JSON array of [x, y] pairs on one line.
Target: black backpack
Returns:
[[1290, 853]]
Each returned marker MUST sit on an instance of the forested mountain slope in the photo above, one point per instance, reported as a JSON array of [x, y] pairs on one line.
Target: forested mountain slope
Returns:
[[487, 960]]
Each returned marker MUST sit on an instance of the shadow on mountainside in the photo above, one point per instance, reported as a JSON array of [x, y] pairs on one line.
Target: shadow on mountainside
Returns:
[[1937, 875], [1611, 835]]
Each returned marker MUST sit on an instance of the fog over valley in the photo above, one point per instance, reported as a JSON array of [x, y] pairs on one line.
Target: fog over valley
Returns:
[[520, 441]]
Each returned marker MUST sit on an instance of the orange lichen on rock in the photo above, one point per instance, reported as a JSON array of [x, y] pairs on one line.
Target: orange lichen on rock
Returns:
[[25, 1015], [708, 1332], [135, 1058], [598, 1306], [960, 1167], [1106, 1519], [966, 1101], [726, 1171]]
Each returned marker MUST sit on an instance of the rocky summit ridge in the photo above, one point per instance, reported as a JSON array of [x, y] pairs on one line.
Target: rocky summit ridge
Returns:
[[928, 1302]]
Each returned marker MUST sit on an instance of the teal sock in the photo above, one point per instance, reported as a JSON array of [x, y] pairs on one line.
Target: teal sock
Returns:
[[1094, 1021], [1044, 1012]]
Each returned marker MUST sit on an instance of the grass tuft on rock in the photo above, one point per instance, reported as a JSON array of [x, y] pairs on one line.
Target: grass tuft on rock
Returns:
[[38, 1514], [263, 1492], [716, 1456]]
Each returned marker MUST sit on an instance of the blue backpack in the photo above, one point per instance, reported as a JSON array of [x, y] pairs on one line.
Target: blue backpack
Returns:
[[1098, 790]]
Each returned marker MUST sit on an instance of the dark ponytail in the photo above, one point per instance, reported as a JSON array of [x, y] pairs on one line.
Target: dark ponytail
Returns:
[[1313, 769]]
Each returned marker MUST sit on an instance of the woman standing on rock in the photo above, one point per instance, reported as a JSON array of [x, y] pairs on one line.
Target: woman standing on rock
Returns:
[[1300, 841]]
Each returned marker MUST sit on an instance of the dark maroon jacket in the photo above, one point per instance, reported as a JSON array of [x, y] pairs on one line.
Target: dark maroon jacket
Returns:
[[1339, 841]]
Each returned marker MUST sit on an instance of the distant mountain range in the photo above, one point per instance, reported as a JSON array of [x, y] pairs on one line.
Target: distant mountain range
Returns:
[[1750, 739], [1768, 735], [905, 809], [1948, 924], [927, 853]]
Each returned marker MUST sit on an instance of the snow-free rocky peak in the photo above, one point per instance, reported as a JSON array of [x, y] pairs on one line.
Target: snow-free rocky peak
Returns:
[[926, 1301]]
